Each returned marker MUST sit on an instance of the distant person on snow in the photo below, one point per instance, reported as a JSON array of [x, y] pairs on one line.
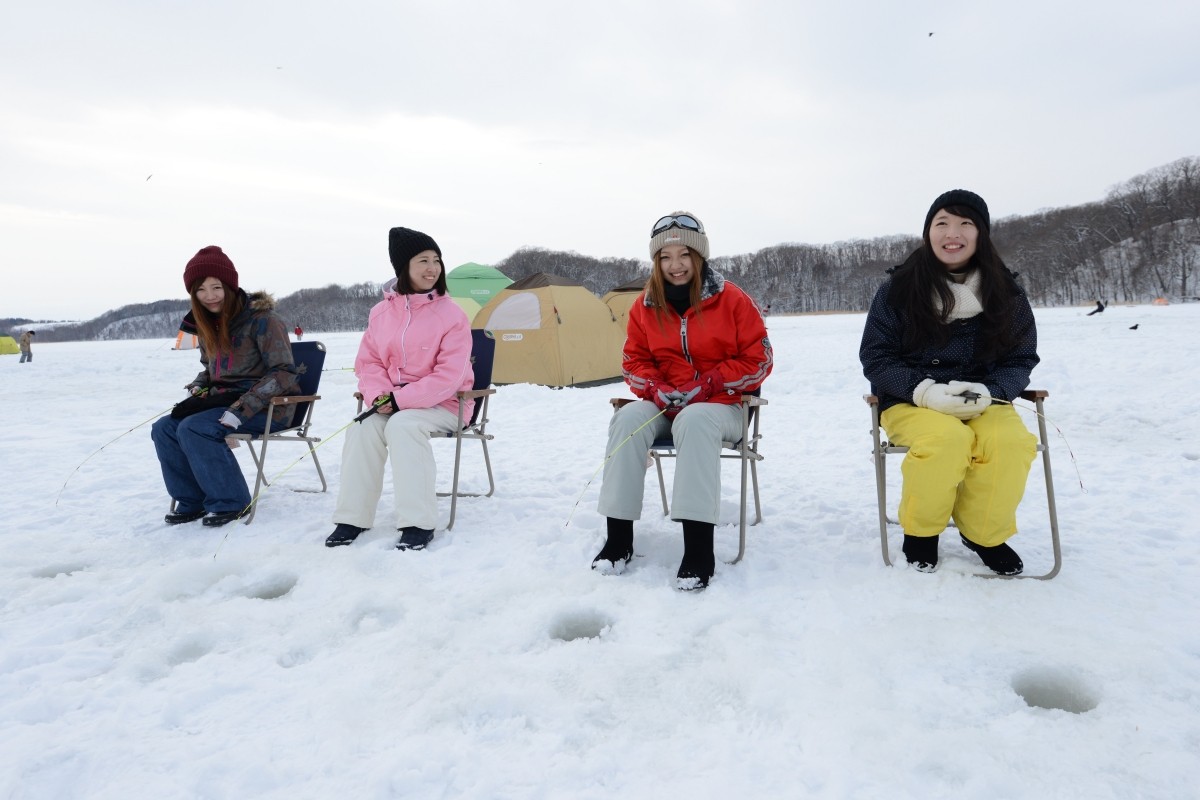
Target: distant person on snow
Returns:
[[299, 333], [1098, 309], [695, 343], [415, 356], [247, 360], [947, 334], [27, 346]]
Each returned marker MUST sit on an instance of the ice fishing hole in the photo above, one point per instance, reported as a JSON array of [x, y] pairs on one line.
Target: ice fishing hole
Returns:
[[271, 588], [580, 625], [58, 569], [1048, 687]]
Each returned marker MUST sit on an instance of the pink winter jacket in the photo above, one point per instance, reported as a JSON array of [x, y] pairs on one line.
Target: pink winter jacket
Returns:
[[418, 348]]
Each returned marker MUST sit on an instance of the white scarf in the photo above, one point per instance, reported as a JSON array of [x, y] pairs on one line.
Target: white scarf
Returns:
[[966, 297]]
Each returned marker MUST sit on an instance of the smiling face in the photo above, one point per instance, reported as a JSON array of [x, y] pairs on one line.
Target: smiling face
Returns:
[[424, 269], [677, 264], [211, 294], [953, 239]]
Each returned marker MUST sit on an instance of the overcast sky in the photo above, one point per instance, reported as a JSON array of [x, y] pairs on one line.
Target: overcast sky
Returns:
[[294, 134]]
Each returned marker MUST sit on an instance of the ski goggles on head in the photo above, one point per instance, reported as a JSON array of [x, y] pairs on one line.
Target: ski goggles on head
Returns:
[[677, 221]]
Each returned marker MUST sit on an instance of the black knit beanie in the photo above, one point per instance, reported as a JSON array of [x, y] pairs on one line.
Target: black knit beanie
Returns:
[[959, 197], [404, 243]]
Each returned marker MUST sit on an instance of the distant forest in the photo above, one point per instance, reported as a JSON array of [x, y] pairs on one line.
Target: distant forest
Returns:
[[1140, 243]]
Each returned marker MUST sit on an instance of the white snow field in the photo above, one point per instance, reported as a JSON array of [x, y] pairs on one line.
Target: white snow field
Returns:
[[496, 664]]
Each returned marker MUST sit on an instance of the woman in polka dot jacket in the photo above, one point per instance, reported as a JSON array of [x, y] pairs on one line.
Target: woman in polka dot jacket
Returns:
[[948, 335]]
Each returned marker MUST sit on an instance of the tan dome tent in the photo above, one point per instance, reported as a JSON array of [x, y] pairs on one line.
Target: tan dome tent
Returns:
[[552, 331], [622, 297]]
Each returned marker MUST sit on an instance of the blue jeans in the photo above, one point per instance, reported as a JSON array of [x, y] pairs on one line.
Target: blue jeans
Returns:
[[26, 357], [199, 469]]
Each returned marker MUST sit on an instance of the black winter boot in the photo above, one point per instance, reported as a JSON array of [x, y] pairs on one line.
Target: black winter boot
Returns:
[[698, 563], [1001, 559], [618, 548], [220, 518], [343, 534], [921, 552], [180, 517], [412, 538]]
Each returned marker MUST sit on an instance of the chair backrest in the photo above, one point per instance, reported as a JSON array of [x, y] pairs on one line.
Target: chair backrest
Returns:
[[483, 355], [310, 355]]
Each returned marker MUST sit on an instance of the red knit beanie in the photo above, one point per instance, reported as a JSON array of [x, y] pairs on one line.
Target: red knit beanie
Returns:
[[210, 262]]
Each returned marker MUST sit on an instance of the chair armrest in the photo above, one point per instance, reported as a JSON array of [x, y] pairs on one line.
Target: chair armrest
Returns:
[[620, 402], [474, 394], [1034, 394], [292, 399], [753, 400], [870, 399]]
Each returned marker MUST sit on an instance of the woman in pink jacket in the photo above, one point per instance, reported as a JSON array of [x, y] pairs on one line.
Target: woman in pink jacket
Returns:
[[414, 357]]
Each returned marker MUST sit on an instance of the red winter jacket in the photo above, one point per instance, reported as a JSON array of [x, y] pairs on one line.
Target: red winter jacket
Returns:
[[729, 334]]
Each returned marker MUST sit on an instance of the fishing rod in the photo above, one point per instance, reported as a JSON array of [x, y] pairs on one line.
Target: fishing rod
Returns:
[[81, 463], [608, 458], [374, 409]]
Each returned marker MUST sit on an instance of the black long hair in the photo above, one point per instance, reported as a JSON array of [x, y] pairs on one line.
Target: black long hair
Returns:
[[923, 275]]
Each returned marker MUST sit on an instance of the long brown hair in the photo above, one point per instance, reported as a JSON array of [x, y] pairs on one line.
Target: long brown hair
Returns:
[[656, 291], [213, 329]]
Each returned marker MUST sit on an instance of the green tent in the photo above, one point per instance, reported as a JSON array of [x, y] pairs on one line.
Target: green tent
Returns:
[[8, 345], [476, 282]]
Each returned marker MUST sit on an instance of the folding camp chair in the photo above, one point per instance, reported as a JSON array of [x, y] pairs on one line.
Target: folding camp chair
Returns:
[[483, 354], [745, 450], [310, 356], [882, 449]]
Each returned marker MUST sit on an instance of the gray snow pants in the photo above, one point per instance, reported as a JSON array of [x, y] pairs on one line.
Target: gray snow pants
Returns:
[[698, 432]]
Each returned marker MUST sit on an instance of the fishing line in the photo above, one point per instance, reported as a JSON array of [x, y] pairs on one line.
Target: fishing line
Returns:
[[1063, 436], [81, 463], [608, 458], [282, 472]]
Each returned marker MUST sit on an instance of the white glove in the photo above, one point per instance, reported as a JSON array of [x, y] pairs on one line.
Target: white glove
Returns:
[[230, 420], [948, 398], [979, 403]]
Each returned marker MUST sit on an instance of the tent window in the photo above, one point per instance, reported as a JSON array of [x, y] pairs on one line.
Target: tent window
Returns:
[[518, 312]]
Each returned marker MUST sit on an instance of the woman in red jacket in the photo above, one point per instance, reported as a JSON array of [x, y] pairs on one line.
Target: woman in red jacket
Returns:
[[694, 344]]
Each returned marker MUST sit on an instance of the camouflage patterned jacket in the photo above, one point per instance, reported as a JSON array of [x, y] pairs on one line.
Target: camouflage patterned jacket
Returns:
[[260, 364]]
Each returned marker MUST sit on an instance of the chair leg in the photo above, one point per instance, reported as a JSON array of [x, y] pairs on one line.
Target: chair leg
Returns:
[[880, 459], [662, 484], [260, 480], [454, 483], [487, 462], [1050, 504]]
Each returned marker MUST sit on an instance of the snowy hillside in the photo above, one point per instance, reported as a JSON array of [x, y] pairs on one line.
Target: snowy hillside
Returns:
[[135, 663]]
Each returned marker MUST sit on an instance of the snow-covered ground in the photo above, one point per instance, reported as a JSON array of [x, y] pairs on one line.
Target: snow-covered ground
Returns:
[[135, 663]]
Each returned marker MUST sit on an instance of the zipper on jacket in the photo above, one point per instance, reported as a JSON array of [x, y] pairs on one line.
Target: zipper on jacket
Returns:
[[683, 338]]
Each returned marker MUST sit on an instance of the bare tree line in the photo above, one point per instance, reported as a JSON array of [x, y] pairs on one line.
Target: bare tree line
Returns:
[[1141, 242]]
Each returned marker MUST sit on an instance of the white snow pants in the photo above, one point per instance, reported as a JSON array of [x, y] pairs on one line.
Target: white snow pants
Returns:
[[404, 436], [698, 432]]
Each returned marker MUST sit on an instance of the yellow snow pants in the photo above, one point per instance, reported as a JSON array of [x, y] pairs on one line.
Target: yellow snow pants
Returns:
[[974, 471]]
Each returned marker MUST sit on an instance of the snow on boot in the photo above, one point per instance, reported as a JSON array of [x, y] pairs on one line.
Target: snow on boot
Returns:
[[618, 548], [412, 538], [1001, 559], [343, 534], [921, 552], [219, 518], [698, 563]]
